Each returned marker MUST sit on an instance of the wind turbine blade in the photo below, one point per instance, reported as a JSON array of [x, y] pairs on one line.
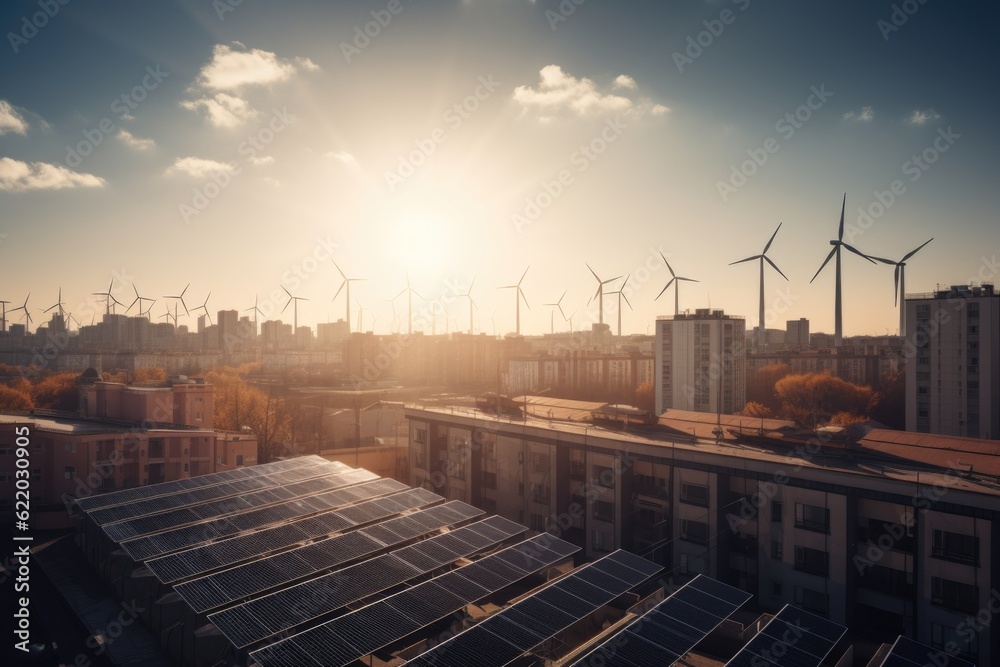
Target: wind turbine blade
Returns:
[[914, 252], [521, 292], [826, 261], [610, 280], [339, 270], [882, 259], [775, 267], [625, 282], [748, 259], [594, 272], [286, 291], [840, 234], [184, 290], [523, 275], [768, 246], [895, 288], [562, 297], [597, 293], [668, 265], [339, 290], [286, 306], [690, 280], [627, 301], [858, 252]]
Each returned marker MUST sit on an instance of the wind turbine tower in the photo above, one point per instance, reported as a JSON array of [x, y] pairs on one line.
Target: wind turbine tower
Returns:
[[763, 258]]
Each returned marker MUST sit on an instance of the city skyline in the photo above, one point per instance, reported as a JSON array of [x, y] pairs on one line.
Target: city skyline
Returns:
[[268, 144]]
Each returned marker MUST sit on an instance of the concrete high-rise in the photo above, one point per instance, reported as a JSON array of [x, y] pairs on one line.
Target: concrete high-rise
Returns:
[[700, 362], [952, 352]]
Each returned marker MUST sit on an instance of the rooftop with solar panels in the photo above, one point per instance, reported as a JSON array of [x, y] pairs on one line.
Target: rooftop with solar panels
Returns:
[[307, 562]]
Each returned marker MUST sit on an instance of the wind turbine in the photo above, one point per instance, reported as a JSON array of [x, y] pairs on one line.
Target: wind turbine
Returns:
[[472, 303], [552, 314], [763, 257], [179, 297], [58, 304], [3, 316], [518, 295], [621, 295], [256, 310], [109, 297], [347, 283], [296, 299], [139, 299], [838, 243], [570, 318], [493, 323], [600, 293], [409, 291], [27, 315], [204, 307], [73, 319], [675, 280], [899, 290], [395, 317]]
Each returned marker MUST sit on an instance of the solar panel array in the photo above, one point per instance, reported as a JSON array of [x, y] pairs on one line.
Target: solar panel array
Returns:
[[298, 529], [182, 565], [665, 633], [155, 523], [793, 638], [199, 481], [238, 583], [908, 653], [515, 630], [359, 633], [267, 616], [145, 507]]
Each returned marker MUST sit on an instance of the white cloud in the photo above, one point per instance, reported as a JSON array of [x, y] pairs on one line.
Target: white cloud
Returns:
[[345, 158], [17, 176], [919, 117], [557, 90], [260, 160], [659, 110], [222, 110], [232, 70], [10, 120], [135, 142], [199, 167], [866, 115], [625, 81]]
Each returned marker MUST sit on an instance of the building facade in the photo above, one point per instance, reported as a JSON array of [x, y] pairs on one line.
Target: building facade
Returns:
[[883, 553], [700, 362], [952, 352]]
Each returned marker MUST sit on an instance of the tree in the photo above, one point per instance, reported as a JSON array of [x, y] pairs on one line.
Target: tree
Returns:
[[760, 386], [14, 399], [645, 397], [810, 399], [891, 408], [57, 392], [755, 409]]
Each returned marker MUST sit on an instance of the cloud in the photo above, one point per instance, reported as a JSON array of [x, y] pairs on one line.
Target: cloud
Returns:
[[199, 167], [866, 115], [135, 142], [659, 110], [10, 120], [625, 81], [222, 110], [260, 160], [17, 176], [919, 117], [558, 91], [345, 158], [231, 71]]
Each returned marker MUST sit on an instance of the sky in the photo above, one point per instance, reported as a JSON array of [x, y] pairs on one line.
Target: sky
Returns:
[[243, 146]]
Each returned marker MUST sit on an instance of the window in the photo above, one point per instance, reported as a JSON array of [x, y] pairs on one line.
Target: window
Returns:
[[776, 511], [490, 480], [954, 595], [540, 462], [420, 436], [4, 451], [955, 547], [873, 529], [239, 459], [811, 517], [36, 475], [694, 494], [538, 522], [540, 493], [604, 476], [69, 472], [71, 447], [943, 636], [812, 561], [887, 580], [684, 564], [776, 588], [776, 550], [604, 510], [187, 468], [694, 531], [814, 601], [6, 477]]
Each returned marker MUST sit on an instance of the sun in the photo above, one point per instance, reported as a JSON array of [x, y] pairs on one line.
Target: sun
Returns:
[[424, 243]]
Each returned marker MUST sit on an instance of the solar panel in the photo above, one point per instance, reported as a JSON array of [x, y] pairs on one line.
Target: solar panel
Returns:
[[357, 634], [166, 488], [666, 633], [515, 630], [258, 576], [155, 523], [156, 546], [908, 653], [793, 637]]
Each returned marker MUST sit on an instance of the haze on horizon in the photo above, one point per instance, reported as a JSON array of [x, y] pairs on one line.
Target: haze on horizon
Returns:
[[239, 147]]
